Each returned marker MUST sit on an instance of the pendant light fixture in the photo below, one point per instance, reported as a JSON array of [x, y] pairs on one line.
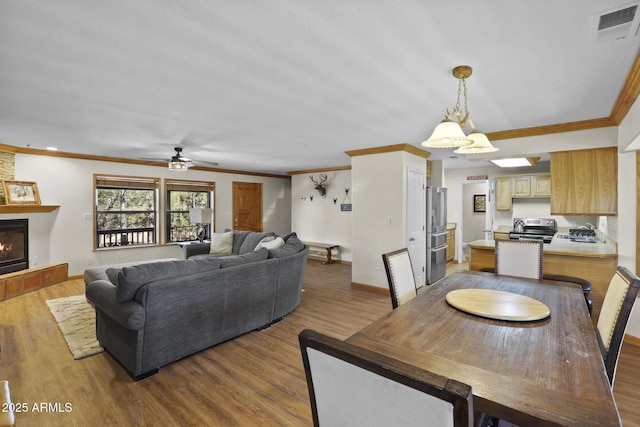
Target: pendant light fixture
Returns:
[[449, 132]]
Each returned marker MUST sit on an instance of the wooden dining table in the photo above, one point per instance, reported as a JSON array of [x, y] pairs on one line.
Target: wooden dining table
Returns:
[[546, 372]]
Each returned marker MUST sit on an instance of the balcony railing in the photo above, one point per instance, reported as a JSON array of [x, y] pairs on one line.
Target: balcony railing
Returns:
[[130, 237]]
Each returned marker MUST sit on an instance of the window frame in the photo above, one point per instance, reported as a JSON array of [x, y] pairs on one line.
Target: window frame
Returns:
[[190, 186], [126, 182]]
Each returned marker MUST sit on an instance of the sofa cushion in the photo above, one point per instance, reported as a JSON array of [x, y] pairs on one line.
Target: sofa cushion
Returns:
[[292, 246], [238, 239], [130, 279], [251, 241], [254, 256], [112, 274], [221, 243], [270, 242]]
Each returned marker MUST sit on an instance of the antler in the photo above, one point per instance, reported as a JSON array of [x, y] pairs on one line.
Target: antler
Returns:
[[323, 179]]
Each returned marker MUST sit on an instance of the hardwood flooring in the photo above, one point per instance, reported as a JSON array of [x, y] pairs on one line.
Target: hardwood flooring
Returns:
[[256, 379]]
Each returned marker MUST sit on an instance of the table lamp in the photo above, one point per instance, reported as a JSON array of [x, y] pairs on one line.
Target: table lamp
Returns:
[[201, 216]]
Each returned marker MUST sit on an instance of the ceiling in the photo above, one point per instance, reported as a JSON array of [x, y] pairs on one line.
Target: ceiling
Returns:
[[286, 85]]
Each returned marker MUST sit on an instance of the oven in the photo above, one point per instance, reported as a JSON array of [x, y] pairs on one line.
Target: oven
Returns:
[[533, 229]]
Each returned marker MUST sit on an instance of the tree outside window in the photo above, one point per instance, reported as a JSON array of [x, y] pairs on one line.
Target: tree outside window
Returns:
[[181, 197]]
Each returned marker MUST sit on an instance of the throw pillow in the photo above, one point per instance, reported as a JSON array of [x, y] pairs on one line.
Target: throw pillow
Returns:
[[273, 243], [252, 240], [264, 240], [287, 236], [221, 243]]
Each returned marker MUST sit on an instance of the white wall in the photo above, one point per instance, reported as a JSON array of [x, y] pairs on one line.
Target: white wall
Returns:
[[627, 196], [474, 222], [321, 220], [379, 211], [64, 236]]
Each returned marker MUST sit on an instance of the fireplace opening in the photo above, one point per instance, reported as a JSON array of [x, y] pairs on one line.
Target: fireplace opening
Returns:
[[14, 245]]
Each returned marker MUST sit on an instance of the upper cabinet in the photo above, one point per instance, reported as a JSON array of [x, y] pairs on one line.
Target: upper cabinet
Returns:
[[520, 186], [584, 182]]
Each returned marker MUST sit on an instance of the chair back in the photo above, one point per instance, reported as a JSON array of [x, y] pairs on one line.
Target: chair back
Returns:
[[614, 316], [402, 283], [522, 258], [352, 386]]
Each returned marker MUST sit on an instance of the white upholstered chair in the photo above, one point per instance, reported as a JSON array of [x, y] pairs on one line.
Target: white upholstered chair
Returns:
[[614, 316], [7, 418], [402, 283], [522, 258], [352, 386]]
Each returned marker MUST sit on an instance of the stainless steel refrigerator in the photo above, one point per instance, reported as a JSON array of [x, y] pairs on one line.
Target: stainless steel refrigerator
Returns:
[[436, 233]]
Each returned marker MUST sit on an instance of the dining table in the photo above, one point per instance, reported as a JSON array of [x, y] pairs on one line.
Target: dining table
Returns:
[[544, 372]]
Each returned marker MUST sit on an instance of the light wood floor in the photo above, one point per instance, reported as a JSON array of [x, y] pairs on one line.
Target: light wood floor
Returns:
[[256, 379]]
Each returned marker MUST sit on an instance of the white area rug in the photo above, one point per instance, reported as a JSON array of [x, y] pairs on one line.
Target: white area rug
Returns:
[[77, 321]]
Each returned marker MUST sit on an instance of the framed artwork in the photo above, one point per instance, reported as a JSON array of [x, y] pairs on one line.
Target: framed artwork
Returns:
[[479, 203], [21, 193]]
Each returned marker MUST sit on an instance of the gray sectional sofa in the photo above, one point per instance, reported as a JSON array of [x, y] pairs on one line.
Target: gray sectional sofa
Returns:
[[152, 314]]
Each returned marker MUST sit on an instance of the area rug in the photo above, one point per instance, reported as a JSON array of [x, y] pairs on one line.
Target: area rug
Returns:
[[77, 321]]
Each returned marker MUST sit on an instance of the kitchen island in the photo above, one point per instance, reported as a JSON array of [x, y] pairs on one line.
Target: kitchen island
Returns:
[[595, 262]]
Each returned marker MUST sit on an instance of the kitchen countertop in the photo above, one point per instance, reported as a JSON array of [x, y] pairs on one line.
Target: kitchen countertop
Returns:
[[564, 247]]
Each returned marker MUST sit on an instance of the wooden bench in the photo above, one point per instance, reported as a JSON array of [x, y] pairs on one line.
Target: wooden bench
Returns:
[[328, 247]]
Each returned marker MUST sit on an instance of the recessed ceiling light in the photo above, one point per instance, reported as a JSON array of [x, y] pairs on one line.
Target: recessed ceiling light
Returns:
[[515, 162], [52, 148]]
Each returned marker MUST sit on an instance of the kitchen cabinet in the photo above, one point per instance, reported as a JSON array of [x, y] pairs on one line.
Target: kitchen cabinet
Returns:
[[451, 242], [520, 187], [584, 182], [503, 194], [541, 186], [500, 235]]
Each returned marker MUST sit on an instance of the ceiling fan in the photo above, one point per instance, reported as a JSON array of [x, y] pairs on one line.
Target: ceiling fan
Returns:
[[180, 163]]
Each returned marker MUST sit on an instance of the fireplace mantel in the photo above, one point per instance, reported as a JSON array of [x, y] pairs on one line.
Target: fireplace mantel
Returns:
[[12, 209]]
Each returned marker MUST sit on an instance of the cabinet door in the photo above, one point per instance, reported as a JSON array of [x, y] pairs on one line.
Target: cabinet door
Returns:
[[522, 186], [503, 194], [451, 244], [584, 182], [497, 235], [540, 186]]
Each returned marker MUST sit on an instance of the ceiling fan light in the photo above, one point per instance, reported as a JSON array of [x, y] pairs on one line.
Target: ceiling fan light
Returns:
[[480, 144], [447, 134], [178, 165]]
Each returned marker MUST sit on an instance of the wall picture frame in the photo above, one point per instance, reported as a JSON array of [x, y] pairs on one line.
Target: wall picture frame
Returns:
[[20, 192], [479, 203]]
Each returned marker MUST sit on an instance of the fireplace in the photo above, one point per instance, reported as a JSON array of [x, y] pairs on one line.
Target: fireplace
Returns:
[[14, 245]]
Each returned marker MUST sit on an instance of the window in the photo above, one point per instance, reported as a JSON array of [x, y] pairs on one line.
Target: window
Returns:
[[182, 196], [126, 211]]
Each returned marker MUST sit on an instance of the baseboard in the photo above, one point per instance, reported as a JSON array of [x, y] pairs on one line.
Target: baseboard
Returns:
[[376, 289]]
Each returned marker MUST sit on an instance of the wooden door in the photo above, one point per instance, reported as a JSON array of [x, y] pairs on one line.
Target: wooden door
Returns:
[[247, 206]]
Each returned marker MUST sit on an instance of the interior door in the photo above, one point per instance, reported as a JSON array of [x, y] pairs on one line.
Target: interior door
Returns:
[[247, 206], [416, 243], [490, 212]]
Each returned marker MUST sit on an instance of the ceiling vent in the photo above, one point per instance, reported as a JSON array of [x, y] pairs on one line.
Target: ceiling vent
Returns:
[[615, 24]]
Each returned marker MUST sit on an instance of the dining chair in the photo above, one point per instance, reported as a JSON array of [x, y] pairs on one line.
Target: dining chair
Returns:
[[522, 258], [352, 386], [402, 283], [614, 316], [7, 418]]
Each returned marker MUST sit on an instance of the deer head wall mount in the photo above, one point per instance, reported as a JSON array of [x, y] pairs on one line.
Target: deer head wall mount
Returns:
[[320, 185]]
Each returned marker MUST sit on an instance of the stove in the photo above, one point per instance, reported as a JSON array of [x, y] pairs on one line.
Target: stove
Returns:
[[533, 229]]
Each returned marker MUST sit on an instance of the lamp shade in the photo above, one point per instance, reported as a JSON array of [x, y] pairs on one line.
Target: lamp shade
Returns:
[[447, 134], [480, 144], [178, 165], [200, 215]]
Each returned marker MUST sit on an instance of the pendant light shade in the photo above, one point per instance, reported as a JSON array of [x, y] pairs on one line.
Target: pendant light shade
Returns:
[[480, 144], [447, 134]]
